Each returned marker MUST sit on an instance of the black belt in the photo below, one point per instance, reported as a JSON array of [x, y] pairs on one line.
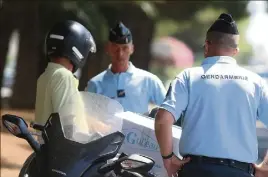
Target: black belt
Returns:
[[219, 161]]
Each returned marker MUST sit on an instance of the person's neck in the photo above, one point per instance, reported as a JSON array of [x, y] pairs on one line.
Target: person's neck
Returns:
[[221, 52], [119, 68], [65, 63]]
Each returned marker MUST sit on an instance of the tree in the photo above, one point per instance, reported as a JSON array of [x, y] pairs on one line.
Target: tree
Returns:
[[27, 64], [194, 18], [140, 16], [7, 16]]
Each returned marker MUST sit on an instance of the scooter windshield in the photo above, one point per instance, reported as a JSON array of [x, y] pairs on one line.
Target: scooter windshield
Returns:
[[89, 116]]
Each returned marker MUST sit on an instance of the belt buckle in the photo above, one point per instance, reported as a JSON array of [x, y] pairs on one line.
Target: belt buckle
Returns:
[[251, 169]]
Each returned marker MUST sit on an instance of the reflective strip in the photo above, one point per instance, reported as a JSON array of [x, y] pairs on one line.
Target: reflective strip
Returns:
[[55, 36], [76, 51]]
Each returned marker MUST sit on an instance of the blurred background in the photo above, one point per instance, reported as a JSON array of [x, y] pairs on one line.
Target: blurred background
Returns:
[[168, 37]]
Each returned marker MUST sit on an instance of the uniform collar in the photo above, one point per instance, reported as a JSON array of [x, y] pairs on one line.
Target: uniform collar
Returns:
[[130, 69], [219, 59]]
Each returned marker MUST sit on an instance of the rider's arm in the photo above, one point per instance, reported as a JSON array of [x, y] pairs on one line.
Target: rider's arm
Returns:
[[157, 91], [63, 86], [263, 106]]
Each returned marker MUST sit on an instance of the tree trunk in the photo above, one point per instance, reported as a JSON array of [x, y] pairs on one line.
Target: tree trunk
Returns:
[[4, 36], [95, 64], [84, 75], [28, 59], [8, 23], [142, 28]]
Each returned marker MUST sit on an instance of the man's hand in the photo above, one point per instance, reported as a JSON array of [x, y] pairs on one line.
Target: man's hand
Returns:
[[261, 170], [96, 125], [101, 127], [174, 164]]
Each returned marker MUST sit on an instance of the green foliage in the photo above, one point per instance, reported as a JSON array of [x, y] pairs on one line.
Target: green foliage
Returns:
[[244, 46], [187, 21], [148, 7], [168, 27], [91, 15], [192, 26]]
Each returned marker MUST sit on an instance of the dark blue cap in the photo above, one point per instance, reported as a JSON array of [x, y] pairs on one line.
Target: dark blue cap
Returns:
[[224, 24], [120, 34]]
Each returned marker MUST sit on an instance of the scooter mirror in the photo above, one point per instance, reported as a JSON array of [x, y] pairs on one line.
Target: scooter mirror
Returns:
[[137, 163], [15, 125]]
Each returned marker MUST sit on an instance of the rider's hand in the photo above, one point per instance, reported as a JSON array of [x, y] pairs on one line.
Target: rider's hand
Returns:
[[174, 164], [102, 127], [96, 125]]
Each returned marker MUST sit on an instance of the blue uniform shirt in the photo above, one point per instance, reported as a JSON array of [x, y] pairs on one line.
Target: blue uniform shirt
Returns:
[[219, 103], [134, 89]]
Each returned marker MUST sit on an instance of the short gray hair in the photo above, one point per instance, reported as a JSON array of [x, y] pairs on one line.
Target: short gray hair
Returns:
[[223, 39]]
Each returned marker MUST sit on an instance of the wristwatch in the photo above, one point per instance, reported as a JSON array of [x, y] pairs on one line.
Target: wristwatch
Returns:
[[168, 156]]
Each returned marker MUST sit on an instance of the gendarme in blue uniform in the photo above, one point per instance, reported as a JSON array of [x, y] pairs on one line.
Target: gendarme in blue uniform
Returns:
[[220, 102], [134, 89]]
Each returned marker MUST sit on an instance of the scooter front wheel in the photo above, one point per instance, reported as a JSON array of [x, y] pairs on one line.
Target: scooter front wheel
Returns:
[[27, 167]]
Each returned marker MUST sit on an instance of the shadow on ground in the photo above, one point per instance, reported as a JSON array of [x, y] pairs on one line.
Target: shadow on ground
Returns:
[[6, 164]]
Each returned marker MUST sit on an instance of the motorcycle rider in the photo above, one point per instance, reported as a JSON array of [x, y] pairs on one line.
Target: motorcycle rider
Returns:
[[67, 47]]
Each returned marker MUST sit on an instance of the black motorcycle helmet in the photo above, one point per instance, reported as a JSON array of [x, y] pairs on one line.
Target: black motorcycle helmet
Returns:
[[71, 40]]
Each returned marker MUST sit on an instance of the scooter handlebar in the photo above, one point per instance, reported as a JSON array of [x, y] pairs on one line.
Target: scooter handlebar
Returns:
[[36, 126]]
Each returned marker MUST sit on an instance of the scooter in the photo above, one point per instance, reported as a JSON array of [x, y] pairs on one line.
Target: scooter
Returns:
[[62, 155]]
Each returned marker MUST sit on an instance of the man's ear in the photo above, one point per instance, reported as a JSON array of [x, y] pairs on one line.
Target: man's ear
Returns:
[[132, 49], [236, 51], [206, 48]]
